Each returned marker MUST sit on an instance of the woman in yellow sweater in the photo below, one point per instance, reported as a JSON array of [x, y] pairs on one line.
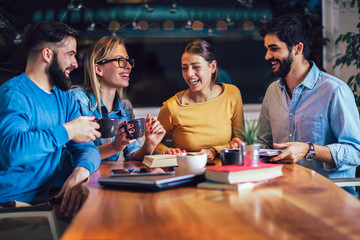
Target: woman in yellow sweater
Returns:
[[206, 116]]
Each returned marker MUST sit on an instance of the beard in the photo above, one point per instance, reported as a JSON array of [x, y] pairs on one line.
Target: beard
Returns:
[[284, 66], [58, 77]]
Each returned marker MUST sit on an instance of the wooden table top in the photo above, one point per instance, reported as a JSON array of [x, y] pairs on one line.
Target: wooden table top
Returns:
[[300, 205]]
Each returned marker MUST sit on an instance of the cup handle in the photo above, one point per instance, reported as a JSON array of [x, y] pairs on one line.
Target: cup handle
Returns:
[[125, 126], [126, 130]]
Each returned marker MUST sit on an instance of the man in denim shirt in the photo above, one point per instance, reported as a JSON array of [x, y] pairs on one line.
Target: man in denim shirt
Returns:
[[307, 112]]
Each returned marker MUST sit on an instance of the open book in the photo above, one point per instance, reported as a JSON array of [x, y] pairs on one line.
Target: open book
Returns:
[[160, 160]]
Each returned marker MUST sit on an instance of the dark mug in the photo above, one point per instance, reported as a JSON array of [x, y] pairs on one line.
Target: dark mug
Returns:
[[139, 127], [231, 156], [108, 126]]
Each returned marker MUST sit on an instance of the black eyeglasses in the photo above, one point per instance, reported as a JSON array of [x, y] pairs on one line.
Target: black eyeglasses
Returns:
[[122, 62]]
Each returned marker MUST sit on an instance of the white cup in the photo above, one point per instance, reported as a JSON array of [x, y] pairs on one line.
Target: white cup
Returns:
[[191, 163]]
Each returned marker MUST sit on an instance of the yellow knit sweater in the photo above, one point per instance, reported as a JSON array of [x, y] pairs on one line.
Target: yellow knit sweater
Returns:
[[202, 125]]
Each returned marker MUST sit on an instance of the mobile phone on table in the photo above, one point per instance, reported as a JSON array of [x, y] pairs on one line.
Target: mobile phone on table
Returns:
[[139, 172]]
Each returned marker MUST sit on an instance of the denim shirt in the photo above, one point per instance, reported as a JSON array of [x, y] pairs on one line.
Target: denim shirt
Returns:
[[122, 110], [322, 111]]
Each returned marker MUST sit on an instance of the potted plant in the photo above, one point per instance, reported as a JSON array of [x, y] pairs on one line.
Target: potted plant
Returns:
[[250, 148], [351, 56]]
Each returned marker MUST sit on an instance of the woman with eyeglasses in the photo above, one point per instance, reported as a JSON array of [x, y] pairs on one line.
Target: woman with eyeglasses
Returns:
[[207, 115], [107, 69]]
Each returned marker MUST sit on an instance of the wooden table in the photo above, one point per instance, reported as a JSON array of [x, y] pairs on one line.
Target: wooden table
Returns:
[[300, 205]]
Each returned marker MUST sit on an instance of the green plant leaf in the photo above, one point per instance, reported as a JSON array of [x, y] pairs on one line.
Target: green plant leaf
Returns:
[[250, 131]]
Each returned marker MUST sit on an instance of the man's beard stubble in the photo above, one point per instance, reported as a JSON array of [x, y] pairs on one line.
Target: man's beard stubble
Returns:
[[284, 66], [58, 76]]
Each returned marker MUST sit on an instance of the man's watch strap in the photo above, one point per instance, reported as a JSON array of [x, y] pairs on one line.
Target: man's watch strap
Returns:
[[311, 153]]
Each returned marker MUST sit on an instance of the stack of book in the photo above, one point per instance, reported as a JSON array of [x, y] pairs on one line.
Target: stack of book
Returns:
[[238, 177]]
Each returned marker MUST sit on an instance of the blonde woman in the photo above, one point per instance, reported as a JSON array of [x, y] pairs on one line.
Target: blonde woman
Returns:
[[107, 71]]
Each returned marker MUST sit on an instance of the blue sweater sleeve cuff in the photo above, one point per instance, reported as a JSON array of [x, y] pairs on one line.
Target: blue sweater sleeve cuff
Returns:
[[87, 156], [88, 165], [60, 134]]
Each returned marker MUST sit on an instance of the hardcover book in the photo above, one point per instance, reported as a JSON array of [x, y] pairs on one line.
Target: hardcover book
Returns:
[[160, 160], [239, 173], [226, 186]]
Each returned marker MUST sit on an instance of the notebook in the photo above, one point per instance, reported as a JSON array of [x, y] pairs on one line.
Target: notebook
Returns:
[[152, 183]]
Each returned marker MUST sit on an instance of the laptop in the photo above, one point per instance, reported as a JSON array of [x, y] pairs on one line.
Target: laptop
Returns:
[[152, 183]]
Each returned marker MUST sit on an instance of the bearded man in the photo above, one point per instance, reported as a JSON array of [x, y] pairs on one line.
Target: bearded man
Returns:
[[38, 116], [307, 112]]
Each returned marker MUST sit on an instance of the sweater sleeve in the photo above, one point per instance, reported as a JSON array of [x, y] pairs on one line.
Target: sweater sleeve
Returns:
[[237, 120], [18, 139], [84, 154]]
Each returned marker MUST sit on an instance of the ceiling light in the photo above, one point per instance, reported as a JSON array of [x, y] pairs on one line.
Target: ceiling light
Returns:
[[188, 25], [173, 8], [148, 8]]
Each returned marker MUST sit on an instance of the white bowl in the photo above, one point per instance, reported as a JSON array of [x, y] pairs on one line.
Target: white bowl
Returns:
[[193, 161]]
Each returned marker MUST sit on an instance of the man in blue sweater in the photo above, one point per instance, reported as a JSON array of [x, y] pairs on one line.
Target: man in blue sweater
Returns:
[[38, 116]]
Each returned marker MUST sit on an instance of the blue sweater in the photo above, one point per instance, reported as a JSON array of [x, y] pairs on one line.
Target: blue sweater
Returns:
[[31, 139]]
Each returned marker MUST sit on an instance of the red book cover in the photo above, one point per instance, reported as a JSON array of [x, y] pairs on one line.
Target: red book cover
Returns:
[[239, 167], [240, 173]]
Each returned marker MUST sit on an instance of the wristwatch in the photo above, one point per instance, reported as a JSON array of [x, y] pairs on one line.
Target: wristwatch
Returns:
[[311, 153]]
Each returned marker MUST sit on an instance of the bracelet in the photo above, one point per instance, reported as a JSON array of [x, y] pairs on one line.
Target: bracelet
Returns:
[[216, 152]]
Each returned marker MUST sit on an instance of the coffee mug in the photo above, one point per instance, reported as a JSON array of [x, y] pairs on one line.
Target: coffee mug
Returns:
[[139, 127], [108, 126], [231, 156]]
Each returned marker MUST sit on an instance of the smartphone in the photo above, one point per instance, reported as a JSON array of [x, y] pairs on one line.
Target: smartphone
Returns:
[[139, 172], [270, 152]]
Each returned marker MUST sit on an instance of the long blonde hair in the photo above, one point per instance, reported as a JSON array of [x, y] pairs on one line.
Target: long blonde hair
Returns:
[[99, 51]]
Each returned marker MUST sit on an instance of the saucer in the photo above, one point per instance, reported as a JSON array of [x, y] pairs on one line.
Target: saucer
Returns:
[[185, 171]]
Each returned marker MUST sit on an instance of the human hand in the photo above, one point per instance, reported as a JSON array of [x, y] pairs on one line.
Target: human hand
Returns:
[[82, 129], [211, 152], [174, 151], [294, 152], [74, 193], [154, 131], [235, 143], [120, 140], [156, 170]]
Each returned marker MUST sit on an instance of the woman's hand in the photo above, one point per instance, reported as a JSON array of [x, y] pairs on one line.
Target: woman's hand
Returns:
[[235, 143], [120, 140], [174, 151], [211, 153], [154, 131]]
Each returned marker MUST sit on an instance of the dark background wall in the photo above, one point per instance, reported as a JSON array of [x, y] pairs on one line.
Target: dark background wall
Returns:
[[157, 74]]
